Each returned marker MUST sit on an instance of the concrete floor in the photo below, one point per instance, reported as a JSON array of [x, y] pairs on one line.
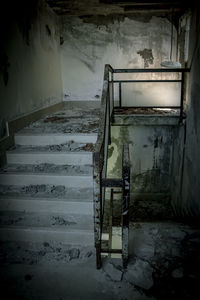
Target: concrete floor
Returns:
[[164, 264]]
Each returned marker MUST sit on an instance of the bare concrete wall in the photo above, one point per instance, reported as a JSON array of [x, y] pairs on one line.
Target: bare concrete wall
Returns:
[[150, 154], [190, 193], [123, 42], [30, 73], [186, 163]]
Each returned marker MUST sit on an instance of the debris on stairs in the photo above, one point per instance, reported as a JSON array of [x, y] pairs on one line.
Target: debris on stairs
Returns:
[[46, 188]]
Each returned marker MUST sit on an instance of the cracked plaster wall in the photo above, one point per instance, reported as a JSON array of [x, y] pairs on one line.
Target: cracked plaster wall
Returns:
[[186, 187], [150, 156], [123, 42], [30, 73]]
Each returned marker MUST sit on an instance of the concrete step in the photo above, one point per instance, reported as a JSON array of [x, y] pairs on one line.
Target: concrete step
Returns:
[[66, 175], [38, 178], [64, 125], [30, 252], [50, 205], [46, 227], [47, 191], [46, 219], [69, 146], [31, 138], [78, 237], [58, 158]]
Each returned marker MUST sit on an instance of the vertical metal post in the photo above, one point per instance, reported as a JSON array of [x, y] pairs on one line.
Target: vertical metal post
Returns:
[[110, 221], [182, 96], [113, 103], [120, 94], [125, 203], [109, 121], [97, 208]]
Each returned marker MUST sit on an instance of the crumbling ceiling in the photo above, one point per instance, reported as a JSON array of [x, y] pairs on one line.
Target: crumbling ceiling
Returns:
[[106, 7]]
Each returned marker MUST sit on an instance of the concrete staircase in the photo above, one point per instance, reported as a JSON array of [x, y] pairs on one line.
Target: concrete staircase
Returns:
[[46, 188]]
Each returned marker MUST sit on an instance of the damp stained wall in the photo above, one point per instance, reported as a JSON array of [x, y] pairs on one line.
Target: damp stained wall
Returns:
[[186, 188], [151, 149], [123, 42], [30, 73]]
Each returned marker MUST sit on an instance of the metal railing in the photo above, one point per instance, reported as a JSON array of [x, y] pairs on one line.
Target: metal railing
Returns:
[[100, 156], [181, 71]]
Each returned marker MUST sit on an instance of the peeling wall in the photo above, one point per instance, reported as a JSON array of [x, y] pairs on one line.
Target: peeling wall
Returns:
[[123, 42], [187, 203], [150, 154], [30, 73]]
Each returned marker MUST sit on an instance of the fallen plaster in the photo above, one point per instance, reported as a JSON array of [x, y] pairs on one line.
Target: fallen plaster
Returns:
[[163, 264]]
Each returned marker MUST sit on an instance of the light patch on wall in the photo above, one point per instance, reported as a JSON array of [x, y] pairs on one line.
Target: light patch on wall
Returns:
[[151, 94]]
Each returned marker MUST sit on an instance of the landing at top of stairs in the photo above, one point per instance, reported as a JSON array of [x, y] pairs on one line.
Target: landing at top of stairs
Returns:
[[70, 120]]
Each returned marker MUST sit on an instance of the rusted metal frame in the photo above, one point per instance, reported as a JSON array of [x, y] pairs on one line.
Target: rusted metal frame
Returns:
[[97, 208], [110, 68], [125, 203], [108, 123], [175, 107], [112, 81], [120, 94], [107, 139], [111, 182], [111, 251], [107, 250], [110, 220], [182, 97], [159, 80], [156, 70]]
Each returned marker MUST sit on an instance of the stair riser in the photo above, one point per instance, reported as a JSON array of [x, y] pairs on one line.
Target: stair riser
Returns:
[[42, 140], [73, 237], [40, 206], [50, 158], [38, 179]]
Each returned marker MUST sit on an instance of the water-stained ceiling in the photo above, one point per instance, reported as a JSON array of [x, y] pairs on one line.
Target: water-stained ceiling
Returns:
[[106, 7]]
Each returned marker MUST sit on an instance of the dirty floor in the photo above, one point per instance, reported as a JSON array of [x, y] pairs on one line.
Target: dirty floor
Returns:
[[164, 264]]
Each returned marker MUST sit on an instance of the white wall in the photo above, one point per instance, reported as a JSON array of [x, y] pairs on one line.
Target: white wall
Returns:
[[30, 74], [127, 42]]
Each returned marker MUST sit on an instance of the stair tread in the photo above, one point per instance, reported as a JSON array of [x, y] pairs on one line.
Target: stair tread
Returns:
[[46, 205], [46, 152], [50, 229], [32, 132], [47, 199], [48, 191], [45, 168], [45, 220], [65, 123]]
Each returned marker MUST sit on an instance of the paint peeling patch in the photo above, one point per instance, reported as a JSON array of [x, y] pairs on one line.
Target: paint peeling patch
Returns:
[[4, 66], [55, 119], [62, 221], [48, 30], [88, 147], [147, 55]]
